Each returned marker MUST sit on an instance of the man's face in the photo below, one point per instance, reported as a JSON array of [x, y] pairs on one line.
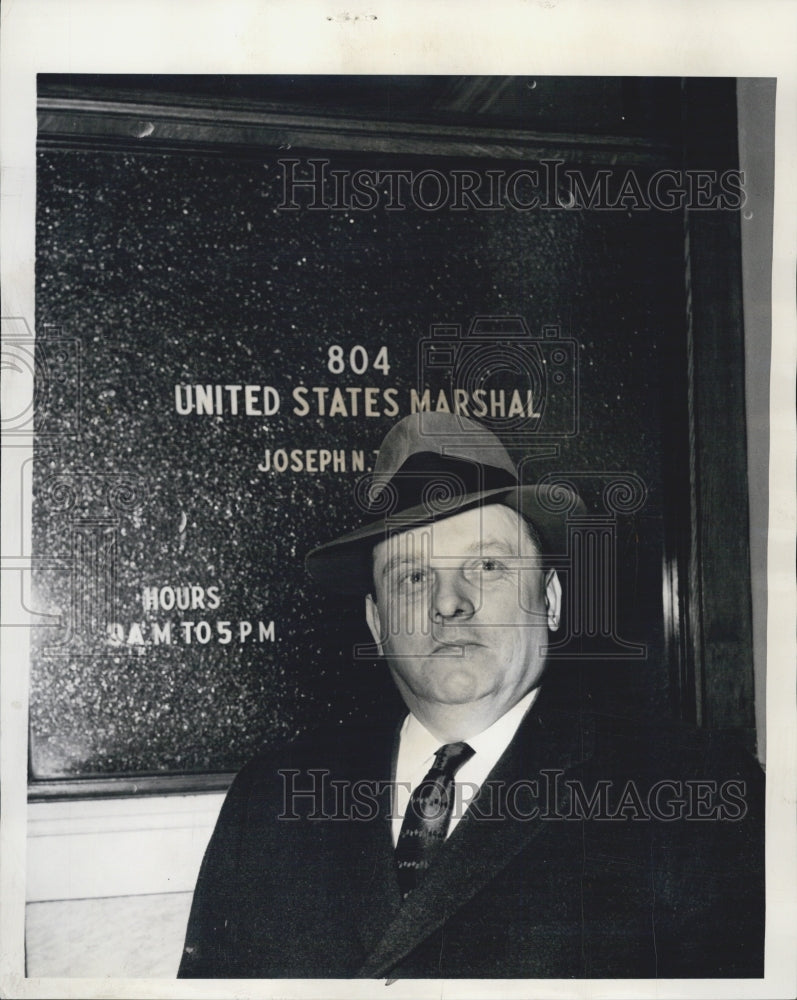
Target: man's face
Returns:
[[462, 612]]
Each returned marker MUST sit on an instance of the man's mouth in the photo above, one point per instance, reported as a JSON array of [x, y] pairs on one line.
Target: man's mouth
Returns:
[[451, 646]]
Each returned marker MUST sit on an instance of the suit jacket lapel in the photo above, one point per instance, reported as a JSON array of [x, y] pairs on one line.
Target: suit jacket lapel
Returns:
[[480, 847]]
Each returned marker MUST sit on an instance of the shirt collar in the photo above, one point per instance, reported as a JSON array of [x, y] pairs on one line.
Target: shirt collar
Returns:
[[418, 746]]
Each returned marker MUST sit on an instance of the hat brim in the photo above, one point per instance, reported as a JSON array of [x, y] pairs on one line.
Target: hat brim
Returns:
[[344, 566]]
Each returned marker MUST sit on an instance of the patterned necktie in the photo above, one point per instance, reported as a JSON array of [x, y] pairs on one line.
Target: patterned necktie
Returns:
[[428, 816]]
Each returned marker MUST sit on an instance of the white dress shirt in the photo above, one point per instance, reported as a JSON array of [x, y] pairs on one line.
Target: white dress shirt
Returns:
[[417, 748]]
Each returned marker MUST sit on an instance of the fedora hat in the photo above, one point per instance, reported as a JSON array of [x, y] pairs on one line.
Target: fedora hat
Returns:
[[431, 466]]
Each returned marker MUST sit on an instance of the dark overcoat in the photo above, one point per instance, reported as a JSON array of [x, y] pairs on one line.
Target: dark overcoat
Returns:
[[590, 852]]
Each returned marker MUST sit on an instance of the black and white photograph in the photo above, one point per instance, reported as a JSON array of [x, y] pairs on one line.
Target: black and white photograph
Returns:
[[397, 508]]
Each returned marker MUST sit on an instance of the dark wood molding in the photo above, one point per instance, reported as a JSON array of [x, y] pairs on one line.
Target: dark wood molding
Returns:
[[715, 640], [129, 786], [205, 125], [721, 555]]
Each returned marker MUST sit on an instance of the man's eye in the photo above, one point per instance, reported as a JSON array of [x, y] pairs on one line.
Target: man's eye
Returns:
[[486, 568], [414, 577], [490, 565]]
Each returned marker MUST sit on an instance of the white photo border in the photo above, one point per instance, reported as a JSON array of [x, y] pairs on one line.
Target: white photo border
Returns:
[[552, 37]]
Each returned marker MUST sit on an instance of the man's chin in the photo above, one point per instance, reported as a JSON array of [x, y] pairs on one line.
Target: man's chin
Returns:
[[458, 685]]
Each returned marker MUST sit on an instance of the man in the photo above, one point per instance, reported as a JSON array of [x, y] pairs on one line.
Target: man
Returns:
[[491, 833]]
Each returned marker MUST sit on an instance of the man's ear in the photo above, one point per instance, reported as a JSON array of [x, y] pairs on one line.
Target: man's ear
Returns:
[[374, 621], [553, 599]]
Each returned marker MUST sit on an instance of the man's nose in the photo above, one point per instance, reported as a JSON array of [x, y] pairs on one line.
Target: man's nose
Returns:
[[451, 597]]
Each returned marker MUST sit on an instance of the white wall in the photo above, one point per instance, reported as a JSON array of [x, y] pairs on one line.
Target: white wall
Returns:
[[110, 882]]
